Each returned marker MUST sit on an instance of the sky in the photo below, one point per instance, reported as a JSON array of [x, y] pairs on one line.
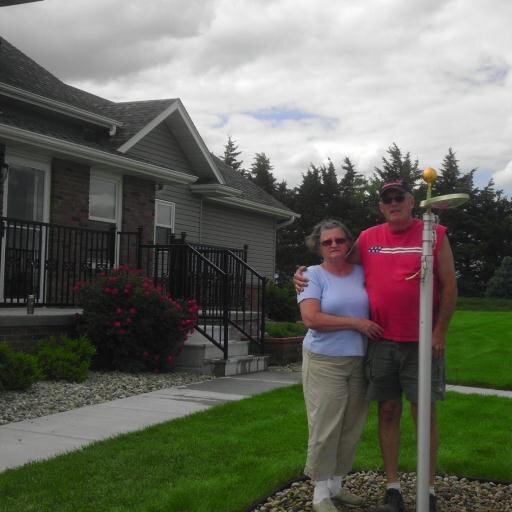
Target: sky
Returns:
[[300, 80]]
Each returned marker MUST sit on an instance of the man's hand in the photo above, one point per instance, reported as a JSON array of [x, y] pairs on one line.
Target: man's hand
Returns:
[[299, 281]]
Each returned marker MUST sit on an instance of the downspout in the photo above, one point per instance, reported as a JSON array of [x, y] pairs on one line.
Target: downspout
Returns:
[[286, 223]]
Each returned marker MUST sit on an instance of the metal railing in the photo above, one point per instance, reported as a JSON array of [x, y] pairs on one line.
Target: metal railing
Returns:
[[47, 260], [229, 292]]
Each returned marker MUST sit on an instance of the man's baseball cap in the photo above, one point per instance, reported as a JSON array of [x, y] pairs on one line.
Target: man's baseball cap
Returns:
[[400, 185]]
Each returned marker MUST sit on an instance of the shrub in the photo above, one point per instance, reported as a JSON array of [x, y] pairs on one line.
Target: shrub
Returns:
[[18, 371], [281, 302], [134, 325], [64, 358], [285, 329]]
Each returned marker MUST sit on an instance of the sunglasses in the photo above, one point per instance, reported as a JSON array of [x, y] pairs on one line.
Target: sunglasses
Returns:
[[331, 241], [399, 198]]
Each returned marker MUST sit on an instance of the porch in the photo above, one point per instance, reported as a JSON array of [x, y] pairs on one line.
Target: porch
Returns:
[[42, 262]]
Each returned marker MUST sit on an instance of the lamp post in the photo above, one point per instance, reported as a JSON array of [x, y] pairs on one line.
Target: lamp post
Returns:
[[425, 335]]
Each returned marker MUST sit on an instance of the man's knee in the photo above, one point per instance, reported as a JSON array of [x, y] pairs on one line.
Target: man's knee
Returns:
[[390, 411]]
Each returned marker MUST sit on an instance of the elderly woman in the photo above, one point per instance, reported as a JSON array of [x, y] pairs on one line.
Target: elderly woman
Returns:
[[334, 307]]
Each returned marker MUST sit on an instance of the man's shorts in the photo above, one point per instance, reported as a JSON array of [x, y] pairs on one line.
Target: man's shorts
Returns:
[[392, 369]]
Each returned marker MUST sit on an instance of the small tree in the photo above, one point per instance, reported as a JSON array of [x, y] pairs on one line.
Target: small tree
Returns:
[[500, 284]]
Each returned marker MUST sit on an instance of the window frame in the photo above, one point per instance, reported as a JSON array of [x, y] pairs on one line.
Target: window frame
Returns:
[[117, 181], [170, 226]]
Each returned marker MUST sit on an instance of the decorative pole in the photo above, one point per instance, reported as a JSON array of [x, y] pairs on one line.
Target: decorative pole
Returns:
[[425, 336]]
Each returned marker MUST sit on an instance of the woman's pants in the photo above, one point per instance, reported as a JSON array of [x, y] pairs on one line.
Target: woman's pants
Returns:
[[337, 408]]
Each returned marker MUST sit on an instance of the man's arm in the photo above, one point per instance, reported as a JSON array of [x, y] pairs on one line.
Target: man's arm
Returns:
[[447, 298]]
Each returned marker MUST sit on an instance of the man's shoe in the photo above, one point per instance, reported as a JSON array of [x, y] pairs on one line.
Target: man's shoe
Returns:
[[325, 506], [432, 502], [393, 502], [348, 499]]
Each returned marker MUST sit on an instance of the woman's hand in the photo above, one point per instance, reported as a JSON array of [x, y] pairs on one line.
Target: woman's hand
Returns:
[[370, 329], [299, 281]]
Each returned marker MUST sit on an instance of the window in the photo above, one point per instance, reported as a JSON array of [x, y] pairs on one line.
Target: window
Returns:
[[25, 199], [104, 198], [164, 221]]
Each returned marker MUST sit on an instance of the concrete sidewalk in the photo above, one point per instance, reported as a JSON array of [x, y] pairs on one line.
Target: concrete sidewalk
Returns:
[[47, 436]]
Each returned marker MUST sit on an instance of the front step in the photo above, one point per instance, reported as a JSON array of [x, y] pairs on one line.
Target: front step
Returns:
[[200, 355], [238, 365]]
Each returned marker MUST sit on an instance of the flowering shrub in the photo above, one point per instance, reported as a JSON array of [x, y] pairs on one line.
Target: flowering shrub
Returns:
[[134, 325]]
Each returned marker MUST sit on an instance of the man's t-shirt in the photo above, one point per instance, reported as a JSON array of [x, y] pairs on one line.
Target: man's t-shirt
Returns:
[[392, 267], [340, 296]]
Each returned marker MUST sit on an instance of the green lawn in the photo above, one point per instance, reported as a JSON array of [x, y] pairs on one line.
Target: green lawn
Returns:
[[226, 458], [479, 350]]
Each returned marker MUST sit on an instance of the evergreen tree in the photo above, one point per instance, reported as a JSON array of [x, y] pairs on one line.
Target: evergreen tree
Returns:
[[398, 167], [330, 191], [261, 173], [231, 154], [500, 284]]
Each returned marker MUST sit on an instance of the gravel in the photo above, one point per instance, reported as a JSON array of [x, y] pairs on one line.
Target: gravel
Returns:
[[49, 397], [454, 494]]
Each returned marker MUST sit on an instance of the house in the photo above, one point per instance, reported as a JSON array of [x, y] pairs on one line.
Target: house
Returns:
[[89, 184]]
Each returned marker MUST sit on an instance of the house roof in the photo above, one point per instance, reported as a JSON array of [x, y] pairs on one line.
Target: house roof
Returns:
[[19, 70], [34, 101]]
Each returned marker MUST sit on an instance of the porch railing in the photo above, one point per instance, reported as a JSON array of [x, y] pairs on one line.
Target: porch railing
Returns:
[[46, 260], [230, 293]]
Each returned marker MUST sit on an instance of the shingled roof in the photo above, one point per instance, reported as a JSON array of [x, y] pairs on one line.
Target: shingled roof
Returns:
[[20, 71]]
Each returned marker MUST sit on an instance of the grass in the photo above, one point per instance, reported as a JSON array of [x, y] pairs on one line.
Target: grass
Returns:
[[479, 349], [483, 304], [227, 457]]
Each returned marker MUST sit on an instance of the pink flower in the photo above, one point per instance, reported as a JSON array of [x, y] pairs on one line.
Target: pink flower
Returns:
[[132, 311], [116, 324], [119, 311]]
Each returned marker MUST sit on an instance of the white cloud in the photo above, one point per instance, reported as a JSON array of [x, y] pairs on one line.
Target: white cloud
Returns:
[[427, 75]]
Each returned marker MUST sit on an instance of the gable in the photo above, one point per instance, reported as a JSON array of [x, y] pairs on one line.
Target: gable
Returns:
[[161, 147]]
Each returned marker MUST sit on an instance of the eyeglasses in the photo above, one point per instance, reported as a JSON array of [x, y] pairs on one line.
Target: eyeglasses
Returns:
[[399, 198], [330, 241]]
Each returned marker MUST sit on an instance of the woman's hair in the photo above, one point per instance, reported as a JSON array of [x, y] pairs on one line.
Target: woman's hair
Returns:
[[313, 239]]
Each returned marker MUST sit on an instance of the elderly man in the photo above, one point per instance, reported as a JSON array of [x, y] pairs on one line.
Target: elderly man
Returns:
[[391, 257]]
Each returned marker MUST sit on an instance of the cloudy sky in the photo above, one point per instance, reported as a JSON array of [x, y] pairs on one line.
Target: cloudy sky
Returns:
[[301, 80]]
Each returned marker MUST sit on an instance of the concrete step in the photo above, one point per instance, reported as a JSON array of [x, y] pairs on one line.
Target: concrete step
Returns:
[[195, 352], [238, 365]]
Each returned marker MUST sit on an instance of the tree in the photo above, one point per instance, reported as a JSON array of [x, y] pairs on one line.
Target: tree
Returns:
[[500, 284], [261, 173], [231, 154], [398, 167]]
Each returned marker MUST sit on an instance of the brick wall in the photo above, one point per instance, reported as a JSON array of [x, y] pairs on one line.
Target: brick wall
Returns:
[[23, 332], [139, 206], [69, 193]]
